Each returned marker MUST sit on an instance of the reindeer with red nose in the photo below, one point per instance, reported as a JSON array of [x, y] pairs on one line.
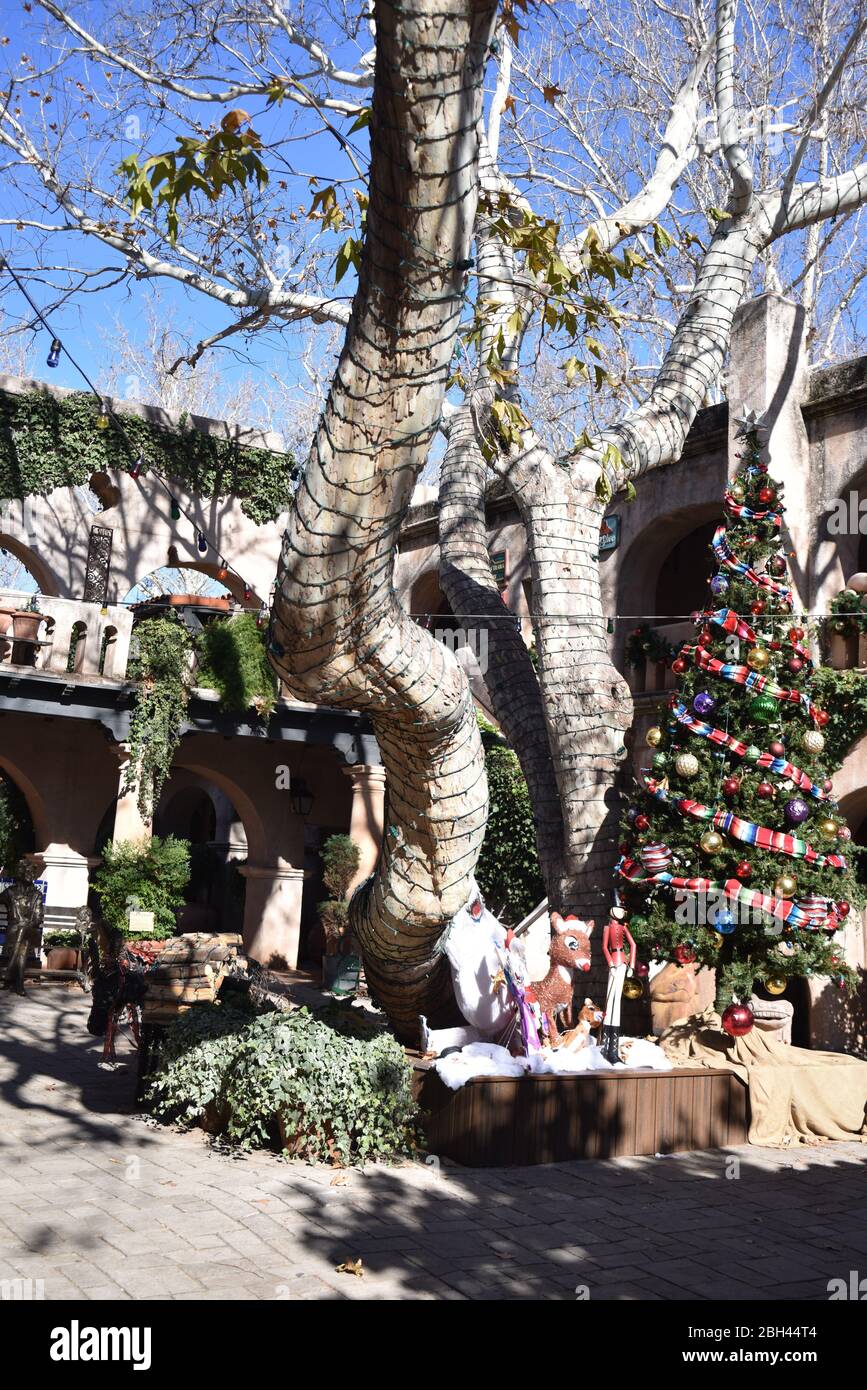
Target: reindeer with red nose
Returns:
[[569, 951]]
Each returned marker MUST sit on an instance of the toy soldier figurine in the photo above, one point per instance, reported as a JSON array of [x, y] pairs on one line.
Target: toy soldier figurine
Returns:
[[23, 903], [616, 936]]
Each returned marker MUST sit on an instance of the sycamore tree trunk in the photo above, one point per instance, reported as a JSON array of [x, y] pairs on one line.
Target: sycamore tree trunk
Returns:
[[338, 634]]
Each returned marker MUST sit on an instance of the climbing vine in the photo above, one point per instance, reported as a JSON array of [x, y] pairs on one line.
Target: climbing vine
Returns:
[[160, 665], [233, 661], [48, 442]]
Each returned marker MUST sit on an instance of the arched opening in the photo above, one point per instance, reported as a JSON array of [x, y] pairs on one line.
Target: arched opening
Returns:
[[108, 652], [21, 570], [197, 581], [681, 585], [17, 834], [77, 647], [201, 813]]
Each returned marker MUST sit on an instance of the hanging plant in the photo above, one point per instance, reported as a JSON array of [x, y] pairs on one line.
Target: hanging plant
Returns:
[[233, 661], [160, 666], [646, 644]]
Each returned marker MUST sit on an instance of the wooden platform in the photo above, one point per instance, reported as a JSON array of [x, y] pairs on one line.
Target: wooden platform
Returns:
[[508, 1121]]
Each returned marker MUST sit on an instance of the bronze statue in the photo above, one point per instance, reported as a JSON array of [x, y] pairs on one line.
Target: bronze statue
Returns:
[[24, 912]]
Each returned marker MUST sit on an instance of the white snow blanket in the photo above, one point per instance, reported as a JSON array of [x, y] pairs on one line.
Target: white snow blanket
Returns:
[[487, 1059]]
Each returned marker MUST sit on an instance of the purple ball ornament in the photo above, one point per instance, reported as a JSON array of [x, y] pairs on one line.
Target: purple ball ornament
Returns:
[[719, 585], [704, 703], [796, 811]]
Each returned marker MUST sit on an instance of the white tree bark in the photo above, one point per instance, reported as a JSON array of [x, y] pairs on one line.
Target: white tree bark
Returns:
[[339, 635]]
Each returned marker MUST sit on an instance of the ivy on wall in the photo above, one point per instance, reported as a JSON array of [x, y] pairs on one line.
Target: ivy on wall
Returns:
[[233, 661], [160, 666], [48, 442]]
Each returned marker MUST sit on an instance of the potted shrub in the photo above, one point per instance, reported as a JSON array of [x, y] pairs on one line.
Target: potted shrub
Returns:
[[340, 859], [150, 876], [62, 949], [25, 630]]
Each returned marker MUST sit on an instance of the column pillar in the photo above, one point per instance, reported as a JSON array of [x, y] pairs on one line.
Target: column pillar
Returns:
[[272, 911], [129, 824], [768, 372], [67, 877], [367, 816]]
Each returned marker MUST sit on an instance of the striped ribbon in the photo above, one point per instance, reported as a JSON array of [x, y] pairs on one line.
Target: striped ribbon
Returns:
[[730, 621], [727, 558], [742, 675], [786, 910], [766, 761], [746, 831], [740, 509]]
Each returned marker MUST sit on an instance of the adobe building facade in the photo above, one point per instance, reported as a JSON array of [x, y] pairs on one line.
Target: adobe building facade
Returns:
[[63, 731]]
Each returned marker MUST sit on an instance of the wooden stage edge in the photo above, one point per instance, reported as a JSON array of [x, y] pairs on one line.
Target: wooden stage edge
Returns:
[[494, 1122]]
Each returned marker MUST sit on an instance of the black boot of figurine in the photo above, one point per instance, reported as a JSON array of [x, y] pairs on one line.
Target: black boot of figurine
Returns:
[[611, 1043]]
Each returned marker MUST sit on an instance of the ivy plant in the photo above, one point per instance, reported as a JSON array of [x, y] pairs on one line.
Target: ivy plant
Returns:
[[331, 1097], [159, 664], [48, 442], [232, 660]]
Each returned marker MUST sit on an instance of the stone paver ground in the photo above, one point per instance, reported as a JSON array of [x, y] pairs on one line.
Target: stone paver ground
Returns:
[[99, 1204]]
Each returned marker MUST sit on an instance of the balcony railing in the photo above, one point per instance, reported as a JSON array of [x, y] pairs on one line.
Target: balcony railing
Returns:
[[64, 636]]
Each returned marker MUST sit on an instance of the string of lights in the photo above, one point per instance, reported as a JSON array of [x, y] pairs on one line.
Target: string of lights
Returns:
[[107, 418]]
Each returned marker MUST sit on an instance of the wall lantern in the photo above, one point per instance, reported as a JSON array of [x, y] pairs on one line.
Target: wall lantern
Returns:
[[300, 797]]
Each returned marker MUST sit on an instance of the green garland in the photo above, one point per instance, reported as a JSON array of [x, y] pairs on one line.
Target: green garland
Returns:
[[48, 443], [646, 644], [160, 665]]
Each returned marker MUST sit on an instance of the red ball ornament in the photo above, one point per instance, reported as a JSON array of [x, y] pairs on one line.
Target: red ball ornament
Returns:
[[765, 790], [827, 785], [843, 909], [737, 1020], [796, 634], [641, 822], [775, 646], [641, 969], [743, 869], [731, 786], [778, 749], [705, 635], [795, 664], [678, 666], [684, 955], [766, 494], [822, 717], [844, 833], [758, 606]]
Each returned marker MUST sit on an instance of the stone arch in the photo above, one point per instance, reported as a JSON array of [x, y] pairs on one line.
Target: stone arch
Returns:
[[644, 561], [427, 602], [254, 826], [32, 797], [44, 576]]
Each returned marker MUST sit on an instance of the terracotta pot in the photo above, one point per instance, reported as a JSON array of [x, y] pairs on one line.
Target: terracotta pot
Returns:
[[5, 626], [62, 958], [25, 629], [221, 605]]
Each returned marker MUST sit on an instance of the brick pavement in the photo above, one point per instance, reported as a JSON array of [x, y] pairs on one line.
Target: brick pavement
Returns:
[[98, 1203]]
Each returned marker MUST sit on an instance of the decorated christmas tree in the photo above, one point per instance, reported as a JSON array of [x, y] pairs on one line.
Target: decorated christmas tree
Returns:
[[734, 851]]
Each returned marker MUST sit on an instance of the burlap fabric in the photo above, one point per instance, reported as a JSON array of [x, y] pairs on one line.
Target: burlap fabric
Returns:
[[797, 1096]]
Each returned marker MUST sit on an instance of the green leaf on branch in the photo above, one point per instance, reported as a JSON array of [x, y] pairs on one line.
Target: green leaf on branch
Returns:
[[348, 255], [662, 239], [361, 120]]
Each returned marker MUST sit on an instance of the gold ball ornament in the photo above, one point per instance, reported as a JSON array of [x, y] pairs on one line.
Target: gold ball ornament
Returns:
[[632, 988], [776, 985], [786, 886], [738, 491], [813, 742], [828, 829], [686, 765], [758, 658], [711, 842], [653, 737]]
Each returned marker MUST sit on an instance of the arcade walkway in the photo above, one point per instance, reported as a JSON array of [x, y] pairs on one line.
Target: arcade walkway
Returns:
[[96, 1203]]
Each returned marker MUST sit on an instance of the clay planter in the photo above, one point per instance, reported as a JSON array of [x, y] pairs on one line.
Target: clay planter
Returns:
[[5, 626], [62, 958], [25, 629], [219, 605]]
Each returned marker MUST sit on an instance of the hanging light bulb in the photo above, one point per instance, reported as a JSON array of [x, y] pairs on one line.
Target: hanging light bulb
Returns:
[[201, 542], [222, 572], [54, 352], [175, 509], [102, 421], [136, 470], [248, 593]]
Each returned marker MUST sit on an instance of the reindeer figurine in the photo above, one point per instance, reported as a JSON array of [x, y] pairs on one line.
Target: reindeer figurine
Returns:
[[569, 951]]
